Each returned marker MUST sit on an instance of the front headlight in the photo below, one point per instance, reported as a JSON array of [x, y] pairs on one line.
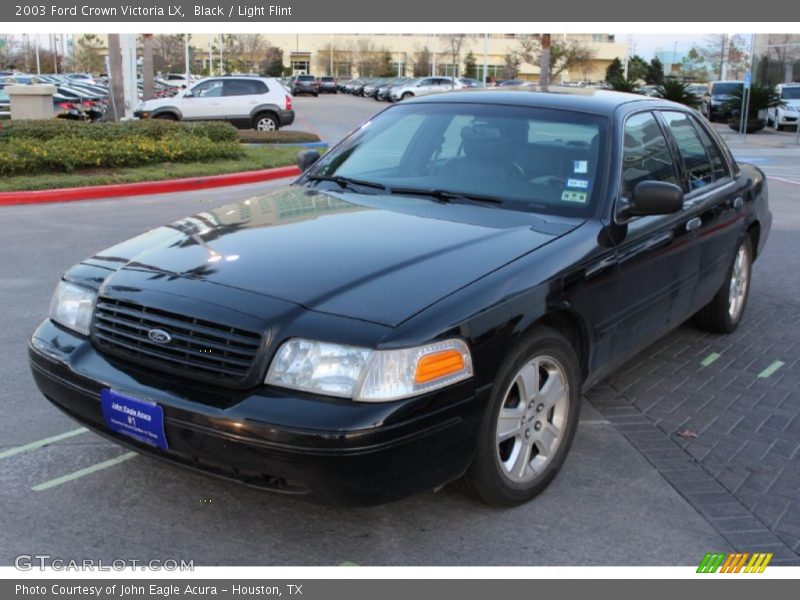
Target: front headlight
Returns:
[[369, 375], [72, 306]]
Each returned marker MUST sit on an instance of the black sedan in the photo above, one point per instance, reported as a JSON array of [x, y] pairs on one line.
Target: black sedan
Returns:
[[425, 304]]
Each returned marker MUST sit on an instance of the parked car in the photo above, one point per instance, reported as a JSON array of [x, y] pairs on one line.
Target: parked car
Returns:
[[385, 90], [357, 87], [257, 102], [426, 303], [781, 116], [371, 89], [304, 84], [327, 85], [716, 103], [423, 87], [468, 82]]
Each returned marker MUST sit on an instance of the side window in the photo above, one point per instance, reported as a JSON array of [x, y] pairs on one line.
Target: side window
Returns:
[[208, 89], [693, 152], [243, 87], [645, 154], [429, 81], [717, 162]]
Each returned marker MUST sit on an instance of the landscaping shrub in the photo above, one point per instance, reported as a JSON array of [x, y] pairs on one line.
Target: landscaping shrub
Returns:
[[64, 154], [251, 136], [150, 129]]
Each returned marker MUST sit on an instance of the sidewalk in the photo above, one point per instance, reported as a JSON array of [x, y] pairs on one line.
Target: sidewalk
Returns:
[[766, 138]]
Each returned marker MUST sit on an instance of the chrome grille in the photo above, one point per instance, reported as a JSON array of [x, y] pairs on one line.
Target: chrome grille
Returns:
[[198, 349]]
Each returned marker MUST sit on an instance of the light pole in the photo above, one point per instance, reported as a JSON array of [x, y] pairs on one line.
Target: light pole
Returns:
[[186, 56], [485, 58]]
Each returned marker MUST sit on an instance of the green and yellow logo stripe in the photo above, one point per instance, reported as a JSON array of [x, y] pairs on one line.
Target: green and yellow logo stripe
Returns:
[[735, 562]]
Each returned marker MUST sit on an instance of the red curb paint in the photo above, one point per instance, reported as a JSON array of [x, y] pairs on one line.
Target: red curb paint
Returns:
[[146, 187]]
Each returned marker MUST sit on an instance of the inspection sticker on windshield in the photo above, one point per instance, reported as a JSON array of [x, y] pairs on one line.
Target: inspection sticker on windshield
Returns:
[[580, 166], [573, 196], [139, 419], [581, 184]]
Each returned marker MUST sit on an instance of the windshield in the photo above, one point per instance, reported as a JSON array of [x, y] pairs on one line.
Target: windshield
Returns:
[[726, 89], [791, 93], [532, 159]]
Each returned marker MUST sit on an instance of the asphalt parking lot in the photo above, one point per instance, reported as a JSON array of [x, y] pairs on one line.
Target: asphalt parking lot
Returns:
[[692, 447]]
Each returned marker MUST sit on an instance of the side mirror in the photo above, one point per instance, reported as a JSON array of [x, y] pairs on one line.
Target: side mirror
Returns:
[[188, 94], [306, 159], [653, 198]]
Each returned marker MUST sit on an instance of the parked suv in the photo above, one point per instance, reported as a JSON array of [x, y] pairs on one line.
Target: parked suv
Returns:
[[781, 116], [305, 84], [716, 104], [257, 102], [424, 86], [327, 84]]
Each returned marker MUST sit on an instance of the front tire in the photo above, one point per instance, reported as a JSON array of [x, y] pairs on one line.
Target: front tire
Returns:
[[406, 96], [530, 422], [724, 313]]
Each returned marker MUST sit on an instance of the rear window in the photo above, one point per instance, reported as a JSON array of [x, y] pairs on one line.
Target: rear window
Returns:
[[305, 78], [726, 89], [326, 78]]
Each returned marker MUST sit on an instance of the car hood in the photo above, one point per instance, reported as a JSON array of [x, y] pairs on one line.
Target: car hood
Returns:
[[155, 103], [377, 258], [793, 103]]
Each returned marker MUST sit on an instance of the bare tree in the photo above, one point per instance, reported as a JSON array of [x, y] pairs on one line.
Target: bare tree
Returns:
[[564, 55], [454, 43], [544, 61], [511, 66], [168, 53], [249, 48], [723, 52]]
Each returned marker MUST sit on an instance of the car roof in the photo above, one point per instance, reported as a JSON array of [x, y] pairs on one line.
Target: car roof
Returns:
[[590, 100]]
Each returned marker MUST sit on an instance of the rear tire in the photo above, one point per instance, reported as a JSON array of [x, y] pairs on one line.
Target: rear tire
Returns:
[[724, 313], [530, 421], [266, 122]]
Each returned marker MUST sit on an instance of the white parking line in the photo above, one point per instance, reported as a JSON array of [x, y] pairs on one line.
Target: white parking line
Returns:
[[40, 443], [82, 472]]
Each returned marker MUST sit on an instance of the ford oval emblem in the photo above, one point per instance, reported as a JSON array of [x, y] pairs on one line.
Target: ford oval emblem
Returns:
[[159, 336]]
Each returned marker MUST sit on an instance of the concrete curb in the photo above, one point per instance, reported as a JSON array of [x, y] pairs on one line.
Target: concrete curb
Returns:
[[146, 187]]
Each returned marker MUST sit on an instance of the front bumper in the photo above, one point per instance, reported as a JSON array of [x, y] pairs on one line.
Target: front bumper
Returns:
[[788, 118], [330, 450]]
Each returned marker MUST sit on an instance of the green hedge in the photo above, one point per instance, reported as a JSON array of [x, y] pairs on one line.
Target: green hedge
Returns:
[[251, 136], [157, 129], [64, 154]]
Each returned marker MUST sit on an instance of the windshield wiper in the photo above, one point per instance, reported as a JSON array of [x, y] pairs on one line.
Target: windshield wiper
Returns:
[[445, 195], [347, 182]]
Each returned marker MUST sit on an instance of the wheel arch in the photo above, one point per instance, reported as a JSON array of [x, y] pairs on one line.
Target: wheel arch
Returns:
[[568, 322], [171, 110]]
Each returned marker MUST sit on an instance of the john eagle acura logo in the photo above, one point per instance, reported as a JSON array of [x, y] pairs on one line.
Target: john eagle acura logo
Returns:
[[159, 336]]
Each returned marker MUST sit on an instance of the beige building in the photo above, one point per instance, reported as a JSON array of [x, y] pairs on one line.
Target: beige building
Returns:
[[347, 55]]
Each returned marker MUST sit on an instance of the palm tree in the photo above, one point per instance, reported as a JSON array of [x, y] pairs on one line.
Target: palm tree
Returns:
[[761, 98], [621, 84], [677, 91]]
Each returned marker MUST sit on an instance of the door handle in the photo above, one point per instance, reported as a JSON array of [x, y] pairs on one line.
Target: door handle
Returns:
[[693, 224]]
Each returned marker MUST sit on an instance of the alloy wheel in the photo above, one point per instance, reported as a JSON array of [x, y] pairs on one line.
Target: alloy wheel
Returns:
[[532, 419], [740, 276]]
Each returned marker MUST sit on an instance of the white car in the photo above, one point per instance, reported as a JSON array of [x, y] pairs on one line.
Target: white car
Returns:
[[781, 116], [424, 86], [247, 102]]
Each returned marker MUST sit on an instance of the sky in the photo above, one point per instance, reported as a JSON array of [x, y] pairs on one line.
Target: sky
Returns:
[[646, 45]]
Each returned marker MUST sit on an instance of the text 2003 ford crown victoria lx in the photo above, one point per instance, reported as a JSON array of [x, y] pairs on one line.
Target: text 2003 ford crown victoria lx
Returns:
[[425, 304]]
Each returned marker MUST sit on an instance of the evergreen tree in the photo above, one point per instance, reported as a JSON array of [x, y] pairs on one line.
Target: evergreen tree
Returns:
[[655, 73], [615, 70], [470, 66]]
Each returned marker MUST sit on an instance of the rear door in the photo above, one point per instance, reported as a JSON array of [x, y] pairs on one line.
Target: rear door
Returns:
[[658, 256], [241, 97], [714, 195]]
